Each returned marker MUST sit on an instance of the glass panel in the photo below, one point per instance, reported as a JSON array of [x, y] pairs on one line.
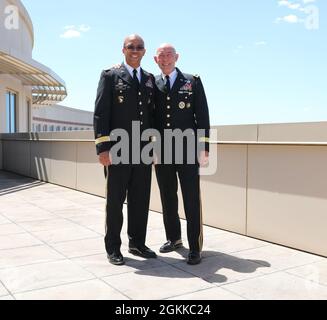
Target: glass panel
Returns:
[[12, 113], [7, 130], [28, 105]]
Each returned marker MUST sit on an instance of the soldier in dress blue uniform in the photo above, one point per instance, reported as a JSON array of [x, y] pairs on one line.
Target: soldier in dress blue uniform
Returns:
[[125, 95], [180, 103]]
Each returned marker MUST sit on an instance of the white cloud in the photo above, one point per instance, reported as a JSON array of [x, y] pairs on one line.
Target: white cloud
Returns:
[[260, 43], [290, 5], [308, 1], [289, 19], [69, 34], [73, 31]]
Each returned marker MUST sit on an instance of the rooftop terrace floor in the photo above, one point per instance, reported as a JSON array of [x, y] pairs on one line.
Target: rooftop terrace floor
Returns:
[[51, 247]]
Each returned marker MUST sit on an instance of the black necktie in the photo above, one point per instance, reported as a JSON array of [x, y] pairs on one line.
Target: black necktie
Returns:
[[135, 78], [167, 84]]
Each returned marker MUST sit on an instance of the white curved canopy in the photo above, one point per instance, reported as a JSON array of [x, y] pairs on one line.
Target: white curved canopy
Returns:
[[47, 87]]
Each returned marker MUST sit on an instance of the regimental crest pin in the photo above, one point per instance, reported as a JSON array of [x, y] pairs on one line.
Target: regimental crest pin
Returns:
[[149, 84], [120, 99]]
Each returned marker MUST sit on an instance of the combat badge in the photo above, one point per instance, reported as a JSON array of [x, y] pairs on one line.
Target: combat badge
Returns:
[[149, 84]]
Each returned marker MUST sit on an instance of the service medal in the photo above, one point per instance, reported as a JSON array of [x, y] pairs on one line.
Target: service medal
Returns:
[[182, 105]]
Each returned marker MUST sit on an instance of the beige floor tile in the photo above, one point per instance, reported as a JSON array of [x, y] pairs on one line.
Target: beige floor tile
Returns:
[[153, 237], [87, 290], [53, 205], [223, 269], [44, 275], [10, 228], [65, 234], [7, 298], [87, 200], [157, 283], [77, 212], [3, 291], [316, 272], [278, 257], [155, 221], [279, 286], [3, 220], [94, 217], [99, 228], [25, 256], [28, 214], [229, 243], [99, 265], [209, 294], [80, 248], [46, 225], [21, 240]]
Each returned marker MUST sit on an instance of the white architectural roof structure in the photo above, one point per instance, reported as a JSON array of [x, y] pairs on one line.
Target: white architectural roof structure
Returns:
[[47, 87]]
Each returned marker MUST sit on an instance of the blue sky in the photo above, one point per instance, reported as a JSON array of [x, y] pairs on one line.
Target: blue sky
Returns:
[[261, 61]]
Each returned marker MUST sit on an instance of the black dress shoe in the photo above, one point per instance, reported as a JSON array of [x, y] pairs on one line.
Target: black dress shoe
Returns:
[[116, 258], [171, 246], [142, 251], [194, 258]]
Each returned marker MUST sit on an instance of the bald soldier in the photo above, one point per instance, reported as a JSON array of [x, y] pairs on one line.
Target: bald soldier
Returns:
[[125, 98], [180, 103]]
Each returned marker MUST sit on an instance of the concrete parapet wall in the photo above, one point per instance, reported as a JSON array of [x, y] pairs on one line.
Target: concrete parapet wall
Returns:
[[269, 185]]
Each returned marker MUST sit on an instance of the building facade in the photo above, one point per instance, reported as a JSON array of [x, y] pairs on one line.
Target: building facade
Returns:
[[60, 118], [30, 91]]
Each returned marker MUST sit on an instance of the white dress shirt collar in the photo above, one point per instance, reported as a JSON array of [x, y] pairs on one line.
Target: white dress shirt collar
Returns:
[[131, 69], [172, 77]]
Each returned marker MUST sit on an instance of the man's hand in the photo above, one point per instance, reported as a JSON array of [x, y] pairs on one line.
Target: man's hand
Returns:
[[105, 159], [204, 158]]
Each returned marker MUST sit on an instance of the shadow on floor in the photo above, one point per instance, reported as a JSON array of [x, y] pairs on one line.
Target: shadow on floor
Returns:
[[11, 183], [208, 270]]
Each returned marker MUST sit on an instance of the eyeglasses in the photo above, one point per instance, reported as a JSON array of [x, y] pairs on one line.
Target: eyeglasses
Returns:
[[132, 48]]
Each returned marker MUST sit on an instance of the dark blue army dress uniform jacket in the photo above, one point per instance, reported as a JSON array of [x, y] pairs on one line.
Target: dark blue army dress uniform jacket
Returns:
[[183, 107], [119, 102]]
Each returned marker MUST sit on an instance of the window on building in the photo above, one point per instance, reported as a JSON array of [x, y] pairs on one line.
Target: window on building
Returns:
[[28, 106], [64, 129], [45, 128], [51, 129], [58, 128], [70, 129], [11, 112], [38, 128]]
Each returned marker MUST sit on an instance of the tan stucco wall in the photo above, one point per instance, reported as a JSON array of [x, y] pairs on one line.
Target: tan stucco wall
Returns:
[[271, 191]]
